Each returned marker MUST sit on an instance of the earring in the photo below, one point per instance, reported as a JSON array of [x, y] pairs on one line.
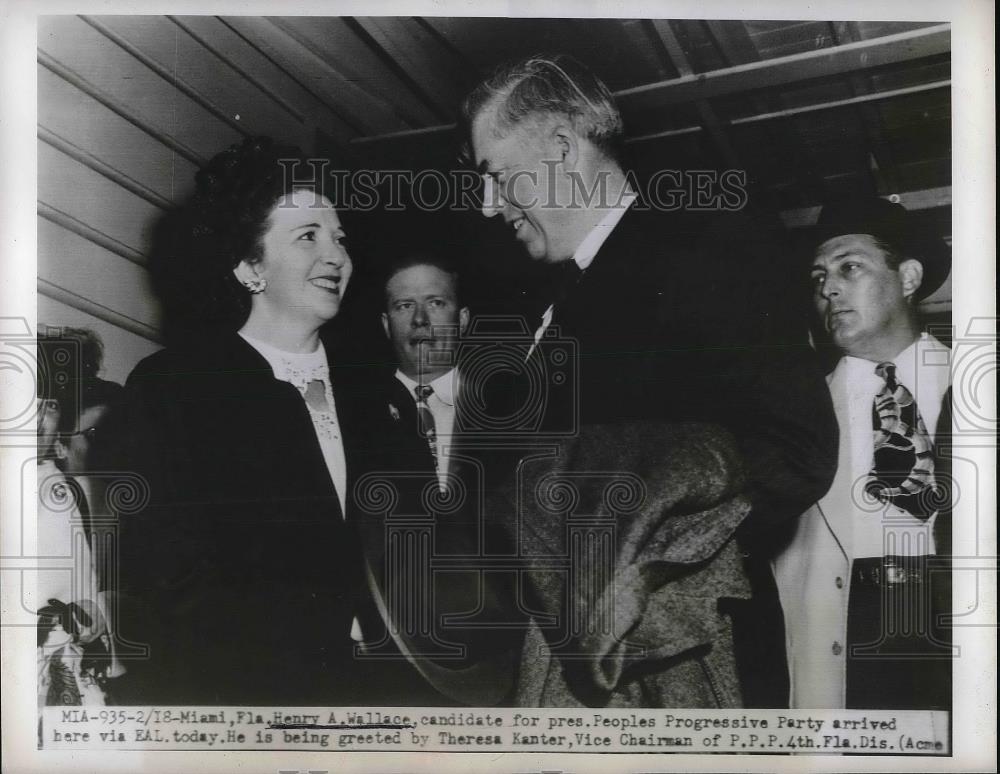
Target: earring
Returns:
[[255, 285]]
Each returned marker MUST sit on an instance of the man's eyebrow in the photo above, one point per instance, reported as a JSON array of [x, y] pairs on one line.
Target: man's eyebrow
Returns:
[[837, 257], [304, 225]]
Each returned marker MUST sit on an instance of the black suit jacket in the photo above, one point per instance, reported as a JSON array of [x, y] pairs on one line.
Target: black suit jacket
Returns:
[[672, 328], [239, 571], [394, 442]]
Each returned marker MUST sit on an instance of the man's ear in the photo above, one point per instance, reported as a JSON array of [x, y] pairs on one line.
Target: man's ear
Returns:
[[911, 273], [59, 449], [463, 319], [565, 143], [385, 325]]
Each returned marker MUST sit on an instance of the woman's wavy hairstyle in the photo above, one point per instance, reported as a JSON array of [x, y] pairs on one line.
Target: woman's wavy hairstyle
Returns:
[[197, 247]]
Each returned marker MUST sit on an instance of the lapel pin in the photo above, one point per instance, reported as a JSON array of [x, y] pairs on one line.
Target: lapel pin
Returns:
[[394, 412]]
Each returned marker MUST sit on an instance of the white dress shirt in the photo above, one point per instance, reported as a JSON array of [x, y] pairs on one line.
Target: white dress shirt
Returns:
[[893, 531], [442, 405]]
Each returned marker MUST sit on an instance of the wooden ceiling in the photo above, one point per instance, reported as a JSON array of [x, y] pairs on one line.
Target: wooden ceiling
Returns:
[[803, 105], [809, 108]]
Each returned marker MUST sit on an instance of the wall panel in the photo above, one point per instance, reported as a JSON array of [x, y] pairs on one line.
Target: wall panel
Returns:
[[69, 187], [130, 86], [68, 261], [107, 138], [203, 76]]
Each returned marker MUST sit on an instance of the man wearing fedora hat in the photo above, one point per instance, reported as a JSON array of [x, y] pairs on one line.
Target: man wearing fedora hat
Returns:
[[863, 580]]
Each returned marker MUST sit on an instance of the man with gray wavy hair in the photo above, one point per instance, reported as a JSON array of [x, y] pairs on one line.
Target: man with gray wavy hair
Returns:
[[668, 334], [524, 181]]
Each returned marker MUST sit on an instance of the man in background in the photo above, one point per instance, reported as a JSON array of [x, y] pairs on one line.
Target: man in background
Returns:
[[864, 580], [441, 620], [423, 321]]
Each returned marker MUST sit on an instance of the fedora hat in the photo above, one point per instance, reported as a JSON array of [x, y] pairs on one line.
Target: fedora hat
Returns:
[[890, 223]]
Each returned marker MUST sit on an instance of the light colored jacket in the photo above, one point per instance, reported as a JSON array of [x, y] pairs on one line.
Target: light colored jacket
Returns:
[[813, 572]]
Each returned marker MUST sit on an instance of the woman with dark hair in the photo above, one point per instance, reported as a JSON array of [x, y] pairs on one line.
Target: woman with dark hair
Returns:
[[239, 569]]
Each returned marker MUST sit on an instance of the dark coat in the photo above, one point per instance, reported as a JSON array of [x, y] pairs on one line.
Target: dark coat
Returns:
[[241, 571], [677, 333]]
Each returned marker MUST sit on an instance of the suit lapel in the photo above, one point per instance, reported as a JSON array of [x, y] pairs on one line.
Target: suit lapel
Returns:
[[836, 505], [408, 429], [624, 287], [349, 416], [279, 400], [574, 298]]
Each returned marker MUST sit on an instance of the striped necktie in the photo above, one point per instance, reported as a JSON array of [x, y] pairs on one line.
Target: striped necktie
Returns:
[[428, 429], [903, 469]]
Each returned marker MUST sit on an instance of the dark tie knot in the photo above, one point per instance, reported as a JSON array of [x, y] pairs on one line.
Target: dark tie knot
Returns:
[[887, 371], [569, 271], [567, 274], [423, 392]]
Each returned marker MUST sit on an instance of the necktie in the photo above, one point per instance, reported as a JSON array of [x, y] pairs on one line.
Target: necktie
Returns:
[[427, 427], [567, 276], [564, 278], [903, 468], [315, 396]]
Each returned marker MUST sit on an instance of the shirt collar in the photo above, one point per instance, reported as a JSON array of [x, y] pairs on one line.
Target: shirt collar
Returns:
[[296, 368], [444, 386], [588, 248], [861, 372]]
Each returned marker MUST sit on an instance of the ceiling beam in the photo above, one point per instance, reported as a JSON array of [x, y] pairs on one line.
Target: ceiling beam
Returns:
[[706, 112], [280, 86], [736, 47], [858, 100], [358, 108], [768, 73], [912, 200], [402, 135], [787, 112], [420, 58], [883, 165], [113, 104], [751, 119], [101, 312]]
